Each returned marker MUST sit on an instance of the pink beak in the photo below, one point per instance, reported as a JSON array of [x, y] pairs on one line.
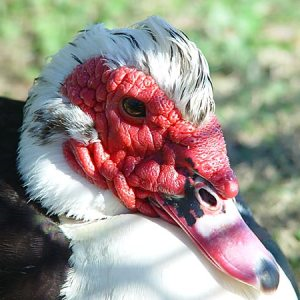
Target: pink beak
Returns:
[[218, 230]]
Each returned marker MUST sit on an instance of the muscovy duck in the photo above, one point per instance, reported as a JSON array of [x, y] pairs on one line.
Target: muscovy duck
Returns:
[[126, 190]]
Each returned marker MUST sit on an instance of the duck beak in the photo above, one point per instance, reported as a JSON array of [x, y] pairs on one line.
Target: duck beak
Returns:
[[219, 232]]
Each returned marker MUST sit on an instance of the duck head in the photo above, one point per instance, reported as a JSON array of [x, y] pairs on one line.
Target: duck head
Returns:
[[122, 121]]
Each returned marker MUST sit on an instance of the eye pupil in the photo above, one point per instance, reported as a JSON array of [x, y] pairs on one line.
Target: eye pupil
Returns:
[[134, 107]]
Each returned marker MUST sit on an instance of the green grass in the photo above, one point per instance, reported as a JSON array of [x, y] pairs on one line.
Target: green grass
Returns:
[[253, 48]]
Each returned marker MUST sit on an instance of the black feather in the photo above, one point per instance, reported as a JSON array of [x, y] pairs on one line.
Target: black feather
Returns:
[[34, 252]]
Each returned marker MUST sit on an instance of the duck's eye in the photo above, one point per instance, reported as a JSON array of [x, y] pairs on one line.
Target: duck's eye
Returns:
[[134, 107]]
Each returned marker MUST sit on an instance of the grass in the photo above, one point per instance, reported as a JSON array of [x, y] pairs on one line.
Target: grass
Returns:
[[253, 48]]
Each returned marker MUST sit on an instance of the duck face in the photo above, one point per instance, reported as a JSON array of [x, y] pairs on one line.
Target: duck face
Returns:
[[151, 139]]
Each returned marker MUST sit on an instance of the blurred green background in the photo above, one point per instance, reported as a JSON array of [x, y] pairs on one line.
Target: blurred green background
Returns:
[[253, 48]]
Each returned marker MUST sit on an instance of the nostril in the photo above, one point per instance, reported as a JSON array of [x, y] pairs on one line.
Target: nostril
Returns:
[[209, 200], [268, 274], [207, 197]]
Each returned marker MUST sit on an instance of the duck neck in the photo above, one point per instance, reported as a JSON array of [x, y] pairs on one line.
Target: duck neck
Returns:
[[143, 258]]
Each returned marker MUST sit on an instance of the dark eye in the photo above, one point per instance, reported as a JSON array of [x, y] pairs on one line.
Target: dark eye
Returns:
[[134, 107]]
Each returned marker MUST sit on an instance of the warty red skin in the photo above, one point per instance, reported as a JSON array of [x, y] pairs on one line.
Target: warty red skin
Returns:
[[136, 157]]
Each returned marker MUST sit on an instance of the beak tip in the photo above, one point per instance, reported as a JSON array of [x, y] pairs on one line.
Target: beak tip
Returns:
[[268, 276]]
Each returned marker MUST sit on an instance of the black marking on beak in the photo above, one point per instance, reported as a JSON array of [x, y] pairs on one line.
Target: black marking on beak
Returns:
[[188, 206]]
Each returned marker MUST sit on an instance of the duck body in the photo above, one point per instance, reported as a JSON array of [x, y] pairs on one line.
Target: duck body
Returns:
[[126, 191], [123, 257], [128, 256]]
